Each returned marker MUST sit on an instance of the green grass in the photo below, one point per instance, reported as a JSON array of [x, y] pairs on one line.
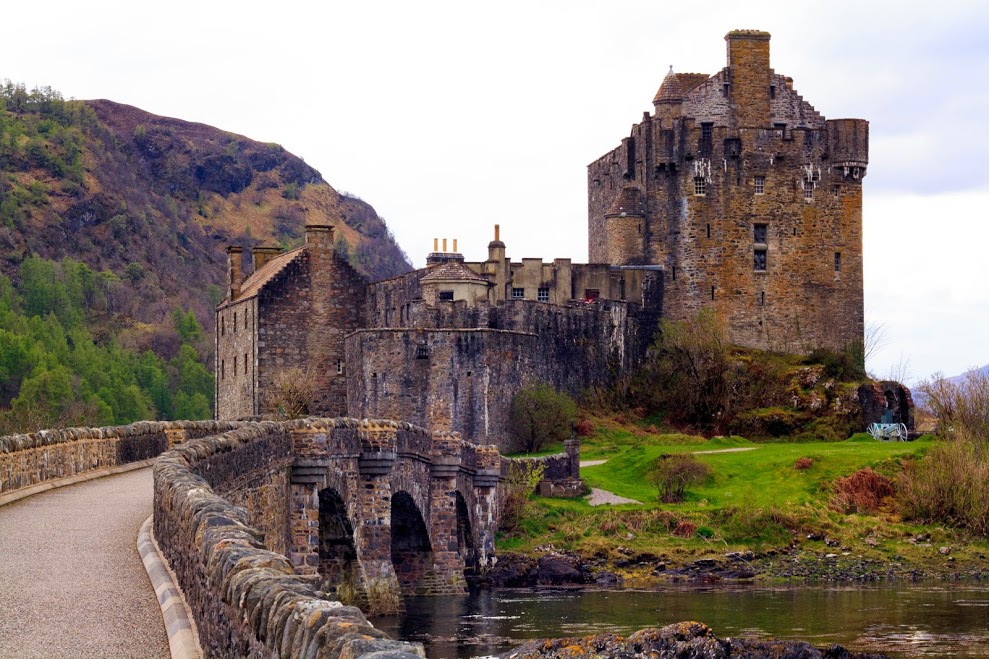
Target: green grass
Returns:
[[762, 476]]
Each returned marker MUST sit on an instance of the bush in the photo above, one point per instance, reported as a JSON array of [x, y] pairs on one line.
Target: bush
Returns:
[[845, 366], [672, 474], [960, 405], [864, 491], [948, 486], [540, 416], [519, 484], [803, 463]]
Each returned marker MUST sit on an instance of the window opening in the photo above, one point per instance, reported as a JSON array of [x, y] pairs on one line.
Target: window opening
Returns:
[[235, 325], [700, 186], [518, 293], [674, 273], [223, 325], [712, 293], [837, 261], [245, 363], [760, 260], [339, 367], [422, 351], [245, 319], [708, 230], [760, 185], [808, 191], [836, 191], [446, 296], [223, 371], [591, 294], [543, 295], [762, 298], [759, 232], [235, 364], [707, 131]]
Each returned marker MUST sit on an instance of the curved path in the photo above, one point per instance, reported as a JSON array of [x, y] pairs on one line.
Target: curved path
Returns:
[[71, 581]]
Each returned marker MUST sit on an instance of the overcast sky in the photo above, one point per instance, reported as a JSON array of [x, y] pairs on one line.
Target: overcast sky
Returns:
[[451, 117]]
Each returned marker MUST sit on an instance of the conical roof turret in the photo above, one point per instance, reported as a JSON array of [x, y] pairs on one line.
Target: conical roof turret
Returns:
[[629, 202], [671, 91]]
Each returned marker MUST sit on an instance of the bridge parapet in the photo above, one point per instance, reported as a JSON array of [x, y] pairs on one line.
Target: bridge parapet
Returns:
[[284, 512]]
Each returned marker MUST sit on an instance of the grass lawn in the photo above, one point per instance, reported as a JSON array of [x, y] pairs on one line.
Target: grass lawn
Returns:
[[754, 498]]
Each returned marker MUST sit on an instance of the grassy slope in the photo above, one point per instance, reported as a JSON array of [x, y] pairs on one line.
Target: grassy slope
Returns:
[[754, 500]]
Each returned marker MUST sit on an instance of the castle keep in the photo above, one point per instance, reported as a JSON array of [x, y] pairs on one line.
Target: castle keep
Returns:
[[734, 192], [749, 199]]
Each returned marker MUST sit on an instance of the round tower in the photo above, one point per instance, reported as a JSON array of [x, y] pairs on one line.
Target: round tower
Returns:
[[625, 228], [668, 101]]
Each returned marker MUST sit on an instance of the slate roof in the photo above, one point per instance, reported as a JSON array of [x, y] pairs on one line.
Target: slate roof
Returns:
[[452, 271], [257, 280]]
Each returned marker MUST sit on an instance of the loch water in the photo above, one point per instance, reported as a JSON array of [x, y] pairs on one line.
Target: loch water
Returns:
[[902, 620]]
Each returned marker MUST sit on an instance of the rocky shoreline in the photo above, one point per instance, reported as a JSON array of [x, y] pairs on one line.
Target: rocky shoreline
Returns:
[[683, 640], [564, 568]]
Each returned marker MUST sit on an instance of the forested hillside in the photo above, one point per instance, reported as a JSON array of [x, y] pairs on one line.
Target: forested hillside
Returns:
[[123, 216]]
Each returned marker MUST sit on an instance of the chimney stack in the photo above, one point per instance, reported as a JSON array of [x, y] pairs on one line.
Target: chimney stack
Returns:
[[235, 271], [262, 255], [319, 235]]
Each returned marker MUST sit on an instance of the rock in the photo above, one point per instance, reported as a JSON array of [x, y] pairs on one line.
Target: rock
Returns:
[[557, 570], [740, 556], [607, 579], [945, 550], [683, 640]]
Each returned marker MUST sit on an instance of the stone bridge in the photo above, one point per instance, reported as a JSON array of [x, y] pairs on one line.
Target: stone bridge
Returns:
[[379, 508]]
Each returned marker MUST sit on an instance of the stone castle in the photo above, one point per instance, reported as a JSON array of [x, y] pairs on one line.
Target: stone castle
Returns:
[[734, 193]]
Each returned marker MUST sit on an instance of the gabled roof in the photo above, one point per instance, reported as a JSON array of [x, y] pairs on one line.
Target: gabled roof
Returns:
[[452, 271], [257, 279]]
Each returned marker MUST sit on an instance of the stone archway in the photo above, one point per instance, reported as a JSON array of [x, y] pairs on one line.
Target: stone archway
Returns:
[[337, 553], [411, 551], [466, 545]]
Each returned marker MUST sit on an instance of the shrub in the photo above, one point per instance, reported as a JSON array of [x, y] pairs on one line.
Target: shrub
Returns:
[[519, 484], [748, 523], [291, 393], [803, 463], [672, 474], [584, 428], [845, 366], [960, 405], [685, 529], [950, 485], [864, 490], [539, 416]]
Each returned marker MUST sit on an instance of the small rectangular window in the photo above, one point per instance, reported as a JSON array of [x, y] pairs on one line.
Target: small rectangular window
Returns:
[[245, 363], [235, 327], [808, 191], [700, 186], [518, 293], [422, 351], [760, 260], [708, 230], [712, 293], [591, 294], [759, 233], [762, 298], [223, 325], [245, 319], [339, 367], [674, 273], [760, 184], [223, 371], [837, 261], [707, 131], [446, 296], [235, 365], [543, 295], [836, 191], [781, 128]]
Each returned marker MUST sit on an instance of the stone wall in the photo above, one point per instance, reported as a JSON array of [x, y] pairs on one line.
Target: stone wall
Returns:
[[751, 201], [561, 472], [236, 359], [34, 458], [247, 600]]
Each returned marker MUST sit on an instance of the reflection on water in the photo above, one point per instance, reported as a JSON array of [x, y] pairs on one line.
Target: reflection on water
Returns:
[[903, 620]]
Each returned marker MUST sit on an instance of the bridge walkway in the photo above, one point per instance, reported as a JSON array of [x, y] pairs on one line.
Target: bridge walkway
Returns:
[[71, 581]]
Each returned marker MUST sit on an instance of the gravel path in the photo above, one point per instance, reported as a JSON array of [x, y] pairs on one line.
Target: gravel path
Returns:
[[591, 463], [603, 497], [71, 581]]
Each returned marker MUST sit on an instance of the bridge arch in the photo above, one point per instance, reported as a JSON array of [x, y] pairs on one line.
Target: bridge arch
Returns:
[[466, 538], [411, 549], [338, 563]]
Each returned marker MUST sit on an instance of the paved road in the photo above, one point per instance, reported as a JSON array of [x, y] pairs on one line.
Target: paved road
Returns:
[[71, 581]]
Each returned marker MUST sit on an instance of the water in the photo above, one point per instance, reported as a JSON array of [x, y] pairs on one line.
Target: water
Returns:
[[903, 620]]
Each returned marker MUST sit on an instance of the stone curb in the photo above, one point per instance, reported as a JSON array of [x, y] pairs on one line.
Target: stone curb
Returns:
[[38, 488], [183, 641]]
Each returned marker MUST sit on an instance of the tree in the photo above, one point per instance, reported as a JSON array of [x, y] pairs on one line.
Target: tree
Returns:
[[291, 393], [539, 416]]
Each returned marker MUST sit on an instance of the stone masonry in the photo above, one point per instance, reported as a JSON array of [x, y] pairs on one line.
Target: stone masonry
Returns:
[[749, 199]]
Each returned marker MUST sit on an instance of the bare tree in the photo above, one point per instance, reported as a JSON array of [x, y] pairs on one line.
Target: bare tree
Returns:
[[291, 393]]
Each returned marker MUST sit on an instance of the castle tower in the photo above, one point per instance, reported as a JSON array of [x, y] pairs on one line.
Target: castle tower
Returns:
[[748, 197]]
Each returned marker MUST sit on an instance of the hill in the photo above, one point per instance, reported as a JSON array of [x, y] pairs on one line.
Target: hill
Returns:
[[155, 200], [113, 226]]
